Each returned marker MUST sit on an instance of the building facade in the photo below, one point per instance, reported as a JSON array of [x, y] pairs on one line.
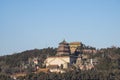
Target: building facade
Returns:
[[58, 63]]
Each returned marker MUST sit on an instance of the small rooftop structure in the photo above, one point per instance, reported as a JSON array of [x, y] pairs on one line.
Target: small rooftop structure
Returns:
[[75, 47]]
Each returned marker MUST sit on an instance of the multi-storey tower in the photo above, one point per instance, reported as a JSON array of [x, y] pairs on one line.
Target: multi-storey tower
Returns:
[[63, 48]]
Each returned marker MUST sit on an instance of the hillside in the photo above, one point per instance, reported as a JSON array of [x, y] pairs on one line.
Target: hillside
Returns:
[[10, 64], [109, 65]]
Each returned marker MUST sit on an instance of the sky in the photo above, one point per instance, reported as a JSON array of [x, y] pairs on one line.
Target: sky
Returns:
[[30, 24]]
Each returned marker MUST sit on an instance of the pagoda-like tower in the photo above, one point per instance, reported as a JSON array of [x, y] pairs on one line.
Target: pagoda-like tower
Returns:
[[63, 48]]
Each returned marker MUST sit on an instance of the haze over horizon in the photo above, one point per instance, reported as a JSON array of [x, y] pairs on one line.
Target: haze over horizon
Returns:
[[28, 24]]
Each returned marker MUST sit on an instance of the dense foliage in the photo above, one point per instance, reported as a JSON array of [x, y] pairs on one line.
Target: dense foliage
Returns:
[[11, 63], [73, 75], [5, 77]]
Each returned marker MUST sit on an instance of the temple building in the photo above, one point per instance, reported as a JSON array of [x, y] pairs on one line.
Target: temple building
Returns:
[[65, 58], [59, 63], [62, 60], [75, 47], [63, 48]]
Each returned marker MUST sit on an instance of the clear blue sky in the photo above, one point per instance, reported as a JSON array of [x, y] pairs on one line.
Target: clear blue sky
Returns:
[[29, 24]]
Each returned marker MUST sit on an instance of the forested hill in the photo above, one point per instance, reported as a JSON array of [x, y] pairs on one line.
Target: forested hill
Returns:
[[108, 64], [11, 63]]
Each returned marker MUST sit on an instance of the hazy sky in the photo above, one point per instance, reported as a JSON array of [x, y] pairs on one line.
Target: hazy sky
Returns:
[[29, 24]]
